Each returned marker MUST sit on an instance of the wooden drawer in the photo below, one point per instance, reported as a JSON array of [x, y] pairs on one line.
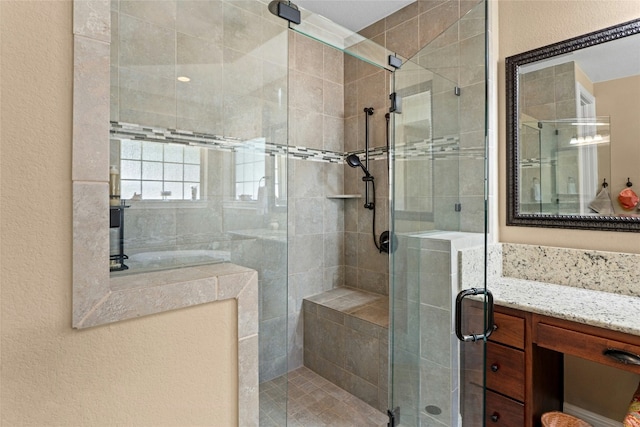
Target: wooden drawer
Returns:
[[502, 411], [584, 345], [505, 370], [508, 330]]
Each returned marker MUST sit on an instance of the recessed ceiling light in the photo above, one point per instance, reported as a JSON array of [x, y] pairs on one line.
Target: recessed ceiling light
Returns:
[[184, 79]]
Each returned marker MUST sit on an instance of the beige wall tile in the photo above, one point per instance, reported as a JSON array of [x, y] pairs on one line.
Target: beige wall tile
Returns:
[[403, 39], [334, 104], [434, 21], [203, 19], [472, 54], [351, 65], [240, 28], [467, 6], [333, 66], [90, 218], [401, 16], [374, 29], [90, 162], [371, 93], [473, 23], [426, 5], [472, 107], [306, 92], [147, 97], [163, 13], [243, 116], [351, 99], [307, 128], [242, 73], [309, 56], [91, 19], [333, 133], [115, 37], [146, 47], [351, 134]]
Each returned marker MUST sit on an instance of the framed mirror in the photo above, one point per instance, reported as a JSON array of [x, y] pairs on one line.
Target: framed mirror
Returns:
[[573, 132]]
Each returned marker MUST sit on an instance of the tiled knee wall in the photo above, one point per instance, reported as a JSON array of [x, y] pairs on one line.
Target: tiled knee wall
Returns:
[[346, 349]]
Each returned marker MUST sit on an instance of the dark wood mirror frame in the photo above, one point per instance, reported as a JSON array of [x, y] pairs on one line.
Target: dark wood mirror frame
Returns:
[[512, 64]]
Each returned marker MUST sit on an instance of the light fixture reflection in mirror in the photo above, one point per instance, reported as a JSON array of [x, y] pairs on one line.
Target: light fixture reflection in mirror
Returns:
[[589, 140], [556, 97]]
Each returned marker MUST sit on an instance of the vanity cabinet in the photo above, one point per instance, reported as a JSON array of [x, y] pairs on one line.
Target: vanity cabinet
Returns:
[[505, 372], [523, 381], [524, 363]]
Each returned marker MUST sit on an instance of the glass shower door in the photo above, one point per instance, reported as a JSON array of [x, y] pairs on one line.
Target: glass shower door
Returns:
[[438, 214]]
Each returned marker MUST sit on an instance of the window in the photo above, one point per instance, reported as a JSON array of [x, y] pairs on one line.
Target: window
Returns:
[[155, 170], [250, 171]]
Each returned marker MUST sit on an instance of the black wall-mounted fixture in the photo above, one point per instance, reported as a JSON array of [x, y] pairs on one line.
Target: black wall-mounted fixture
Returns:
[[354, 161], [395, 62], [285, 10], [396, 103]]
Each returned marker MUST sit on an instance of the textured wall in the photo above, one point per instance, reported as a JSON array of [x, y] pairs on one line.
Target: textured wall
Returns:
[[177, 368], [528, 25]]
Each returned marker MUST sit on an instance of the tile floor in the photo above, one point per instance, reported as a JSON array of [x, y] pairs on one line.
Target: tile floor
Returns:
[[313, 402]]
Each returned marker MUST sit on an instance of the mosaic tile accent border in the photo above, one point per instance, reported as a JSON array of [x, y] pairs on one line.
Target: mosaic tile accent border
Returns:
[[218, 142], [438, 148]]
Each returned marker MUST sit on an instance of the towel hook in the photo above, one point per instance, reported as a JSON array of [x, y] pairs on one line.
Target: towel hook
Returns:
[[604, 183], [629, 184]]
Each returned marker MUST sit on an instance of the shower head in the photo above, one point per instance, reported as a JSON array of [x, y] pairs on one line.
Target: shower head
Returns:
[[354, 161]]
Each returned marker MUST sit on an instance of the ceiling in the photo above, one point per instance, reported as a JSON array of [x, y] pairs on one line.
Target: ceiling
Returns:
[[353, 14]]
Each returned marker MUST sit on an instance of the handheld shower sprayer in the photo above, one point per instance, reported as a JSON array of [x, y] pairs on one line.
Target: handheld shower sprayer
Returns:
[[354, 161]]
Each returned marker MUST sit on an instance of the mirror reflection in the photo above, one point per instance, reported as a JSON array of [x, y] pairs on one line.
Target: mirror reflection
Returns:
[[574, 146], [561, 164]]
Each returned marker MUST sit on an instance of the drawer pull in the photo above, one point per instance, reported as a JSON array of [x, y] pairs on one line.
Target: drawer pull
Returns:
[[622, 356], [495, 417], [495, 367]]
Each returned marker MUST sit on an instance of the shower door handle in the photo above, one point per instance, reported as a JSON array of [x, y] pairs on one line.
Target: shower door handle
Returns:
[[474, 337]]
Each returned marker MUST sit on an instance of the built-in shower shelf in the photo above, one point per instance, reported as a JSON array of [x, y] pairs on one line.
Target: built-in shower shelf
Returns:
[[344, 196]]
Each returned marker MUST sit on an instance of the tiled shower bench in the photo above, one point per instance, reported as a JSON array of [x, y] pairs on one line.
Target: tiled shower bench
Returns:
[[346, 341]]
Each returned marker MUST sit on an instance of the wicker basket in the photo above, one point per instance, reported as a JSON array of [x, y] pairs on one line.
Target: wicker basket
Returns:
[[560, 419]]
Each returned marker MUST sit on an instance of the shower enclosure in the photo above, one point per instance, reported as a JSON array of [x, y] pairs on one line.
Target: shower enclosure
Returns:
[[230, 130], [438, 208]]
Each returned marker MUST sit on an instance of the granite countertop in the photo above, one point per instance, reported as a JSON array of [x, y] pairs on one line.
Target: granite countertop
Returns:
[[596, 308]]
